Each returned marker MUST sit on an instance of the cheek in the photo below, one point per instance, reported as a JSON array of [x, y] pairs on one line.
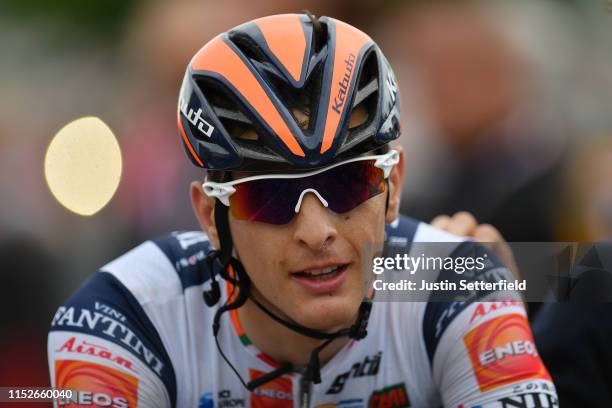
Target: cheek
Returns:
[[366, 223], [364, 229], [258, 246]]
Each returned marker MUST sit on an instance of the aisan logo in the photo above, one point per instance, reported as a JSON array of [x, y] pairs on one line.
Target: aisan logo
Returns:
[[95, 350]]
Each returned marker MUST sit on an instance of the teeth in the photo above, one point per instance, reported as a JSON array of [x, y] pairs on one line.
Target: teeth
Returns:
[[323, 271]]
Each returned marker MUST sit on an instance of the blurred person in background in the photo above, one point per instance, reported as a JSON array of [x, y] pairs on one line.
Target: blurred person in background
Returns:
[[584, 212], [574, 338], [489, 150]]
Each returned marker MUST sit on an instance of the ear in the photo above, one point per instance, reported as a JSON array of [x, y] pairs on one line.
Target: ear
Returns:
[[396, 180], [204, 209]]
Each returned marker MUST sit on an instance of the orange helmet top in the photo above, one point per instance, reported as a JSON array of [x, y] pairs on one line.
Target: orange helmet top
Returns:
[[287, 92]]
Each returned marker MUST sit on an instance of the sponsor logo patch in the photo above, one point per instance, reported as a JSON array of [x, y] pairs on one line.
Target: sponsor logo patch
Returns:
[[107, 327], [539, 385], [226, 400], [343, 85], [72, 345], [369, 366], [527, 400], [394, 396], [95, 385], [502, 351], [188, 261], [195, 118], [275, 394], [484, 308]]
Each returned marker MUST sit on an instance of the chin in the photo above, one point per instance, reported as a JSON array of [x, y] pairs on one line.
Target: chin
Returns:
[[328, 314]]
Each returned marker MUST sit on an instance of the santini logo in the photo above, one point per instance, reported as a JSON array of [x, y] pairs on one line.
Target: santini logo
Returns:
[[344, 84], [97, 324], [369, 366], [195, 118]]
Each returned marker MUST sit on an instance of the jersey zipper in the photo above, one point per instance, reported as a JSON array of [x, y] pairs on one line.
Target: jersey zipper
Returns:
[[305, 392]]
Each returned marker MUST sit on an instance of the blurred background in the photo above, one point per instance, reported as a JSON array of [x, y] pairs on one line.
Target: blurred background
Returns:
[[507, 113]]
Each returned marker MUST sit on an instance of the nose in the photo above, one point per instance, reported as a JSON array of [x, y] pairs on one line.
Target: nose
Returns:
[[314, 225]]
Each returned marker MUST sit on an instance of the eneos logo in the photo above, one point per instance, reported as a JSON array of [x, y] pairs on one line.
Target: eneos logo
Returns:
[[275, 394], [502, 351], [95, 385]]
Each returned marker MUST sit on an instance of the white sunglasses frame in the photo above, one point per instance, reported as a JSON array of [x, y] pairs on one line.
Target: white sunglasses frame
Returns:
[[223, 191]]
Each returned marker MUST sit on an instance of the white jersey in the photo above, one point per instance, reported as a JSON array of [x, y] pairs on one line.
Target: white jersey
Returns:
[[138, 333]]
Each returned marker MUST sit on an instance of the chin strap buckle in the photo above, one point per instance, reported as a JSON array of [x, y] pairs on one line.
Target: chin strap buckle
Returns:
[[360, 329], [212, 295]]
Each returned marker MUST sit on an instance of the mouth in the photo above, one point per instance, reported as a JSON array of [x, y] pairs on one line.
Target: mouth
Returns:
[[321, 273], [322, 280]]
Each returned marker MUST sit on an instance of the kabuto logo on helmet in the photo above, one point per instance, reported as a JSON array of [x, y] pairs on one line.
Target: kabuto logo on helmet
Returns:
[[344, 84], [195, 118]]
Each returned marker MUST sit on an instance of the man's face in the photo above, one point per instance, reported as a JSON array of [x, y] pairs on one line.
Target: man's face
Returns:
[[282, 260], [286, 263]]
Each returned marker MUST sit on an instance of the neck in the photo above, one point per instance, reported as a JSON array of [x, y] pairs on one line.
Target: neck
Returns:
[[279, 342]]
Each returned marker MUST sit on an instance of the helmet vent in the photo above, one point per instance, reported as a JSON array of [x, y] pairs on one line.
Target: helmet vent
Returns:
[[361, 122], [247, 46], [320, 35], [233, 117], [302, 102], [365, 102]]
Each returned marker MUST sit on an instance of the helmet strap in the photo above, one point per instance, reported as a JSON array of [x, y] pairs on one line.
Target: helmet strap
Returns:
[[387, 199]]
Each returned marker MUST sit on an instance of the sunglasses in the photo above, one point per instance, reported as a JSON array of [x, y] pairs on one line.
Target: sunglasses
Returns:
[[276, 198]]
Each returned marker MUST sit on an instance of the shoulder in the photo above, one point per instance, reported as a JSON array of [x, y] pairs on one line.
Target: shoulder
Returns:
[[163, 267], [130, 306], [154, 273], [419, 239]]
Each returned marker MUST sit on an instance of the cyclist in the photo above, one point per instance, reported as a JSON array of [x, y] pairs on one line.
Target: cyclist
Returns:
[[291, 116]]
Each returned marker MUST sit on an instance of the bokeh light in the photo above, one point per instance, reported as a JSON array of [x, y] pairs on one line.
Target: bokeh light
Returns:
[[83, 165]]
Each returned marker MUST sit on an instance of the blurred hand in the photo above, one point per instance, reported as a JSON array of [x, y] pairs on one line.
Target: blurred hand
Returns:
[[464, 224]]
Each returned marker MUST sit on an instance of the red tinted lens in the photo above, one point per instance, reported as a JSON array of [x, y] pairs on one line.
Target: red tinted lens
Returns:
[[273, 201], [345, 187], [268, 200]]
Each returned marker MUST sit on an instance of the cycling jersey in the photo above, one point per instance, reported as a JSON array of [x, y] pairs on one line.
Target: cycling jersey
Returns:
[[138, 333]]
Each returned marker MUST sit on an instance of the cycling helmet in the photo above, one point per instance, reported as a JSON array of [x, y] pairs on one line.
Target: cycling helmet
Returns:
[[247, 92]]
